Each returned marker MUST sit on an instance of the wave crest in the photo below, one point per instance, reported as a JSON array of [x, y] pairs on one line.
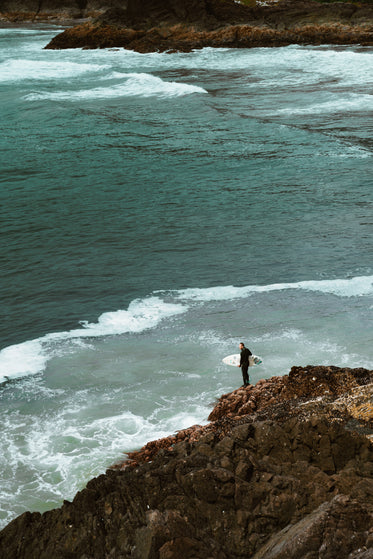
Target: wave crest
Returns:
[[132, 85], [357, 286], [31, 357]]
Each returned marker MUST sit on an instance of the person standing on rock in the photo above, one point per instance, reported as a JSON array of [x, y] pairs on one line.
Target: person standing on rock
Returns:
[[244, 363]]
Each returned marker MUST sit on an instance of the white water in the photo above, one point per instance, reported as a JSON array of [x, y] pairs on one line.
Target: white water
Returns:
[[143, 85], [88, 395], [74, 400], [31, 357]]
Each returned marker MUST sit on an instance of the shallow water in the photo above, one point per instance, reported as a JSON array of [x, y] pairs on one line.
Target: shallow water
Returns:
[[136, 191]]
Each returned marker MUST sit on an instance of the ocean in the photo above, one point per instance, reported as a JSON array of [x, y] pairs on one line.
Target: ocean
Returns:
[[156, 210]]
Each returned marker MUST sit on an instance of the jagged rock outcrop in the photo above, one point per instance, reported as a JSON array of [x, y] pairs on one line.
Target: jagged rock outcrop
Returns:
[[284, 470], [180, 25], [181, 39], [183, 25]]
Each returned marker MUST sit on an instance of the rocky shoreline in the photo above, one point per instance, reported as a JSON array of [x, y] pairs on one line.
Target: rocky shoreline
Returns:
[[179, 39], [283, 470], [184, 25]]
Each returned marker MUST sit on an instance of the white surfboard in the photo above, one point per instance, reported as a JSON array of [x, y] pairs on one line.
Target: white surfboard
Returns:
[[234, 360]]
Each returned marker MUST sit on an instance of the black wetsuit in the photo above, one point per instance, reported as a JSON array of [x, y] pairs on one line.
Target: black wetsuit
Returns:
[[244, 364]]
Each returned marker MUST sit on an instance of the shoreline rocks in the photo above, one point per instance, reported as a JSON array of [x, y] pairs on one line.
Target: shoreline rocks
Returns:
[[180, 39], [283, 470], [185, 25], [176, 25]]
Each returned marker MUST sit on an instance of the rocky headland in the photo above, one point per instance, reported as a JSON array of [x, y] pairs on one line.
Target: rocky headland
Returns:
[[184, 25], [283, 470]]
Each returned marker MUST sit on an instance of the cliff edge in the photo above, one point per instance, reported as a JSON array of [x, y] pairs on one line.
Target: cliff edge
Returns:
[[284, 470]]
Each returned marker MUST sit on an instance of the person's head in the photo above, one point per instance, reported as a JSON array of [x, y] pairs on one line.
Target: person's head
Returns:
[[242, 345]]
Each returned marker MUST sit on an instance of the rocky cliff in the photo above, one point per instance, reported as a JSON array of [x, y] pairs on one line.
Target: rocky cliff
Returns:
[[284, 470]]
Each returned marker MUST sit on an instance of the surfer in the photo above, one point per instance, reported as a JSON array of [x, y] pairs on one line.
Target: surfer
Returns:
[[244, 363]]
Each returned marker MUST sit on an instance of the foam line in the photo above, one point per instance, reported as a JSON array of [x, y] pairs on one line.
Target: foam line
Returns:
[[133, 85], [15, 70], [354, 102], [31, 357], [357, 286], [23, 359]]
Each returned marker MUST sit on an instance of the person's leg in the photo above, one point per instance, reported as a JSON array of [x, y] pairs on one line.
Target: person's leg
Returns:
[[245, 376]]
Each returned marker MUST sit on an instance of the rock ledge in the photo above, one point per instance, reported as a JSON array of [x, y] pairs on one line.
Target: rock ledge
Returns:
[[284, 470], [179, 25]]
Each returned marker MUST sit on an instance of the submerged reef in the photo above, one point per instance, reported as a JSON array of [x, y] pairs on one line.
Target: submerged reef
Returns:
[[283, 470]]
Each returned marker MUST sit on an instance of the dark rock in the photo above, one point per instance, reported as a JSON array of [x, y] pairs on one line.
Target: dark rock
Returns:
[[265, 485], [327, 533], [170, 25], [184, 25]]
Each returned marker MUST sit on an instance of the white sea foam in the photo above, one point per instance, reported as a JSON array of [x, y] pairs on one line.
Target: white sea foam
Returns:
[[310, 62], [357, 286], [142, 314], [339, 104], [23, 359], [32, 356], [139, 85], [34, 31], [15, 70], [56, 452]]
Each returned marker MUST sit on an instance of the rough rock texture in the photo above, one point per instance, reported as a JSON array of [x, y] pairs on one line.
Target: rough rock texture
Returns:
[[130, 12], [283, 471], [181, 39], [55, 11], [183, 25]]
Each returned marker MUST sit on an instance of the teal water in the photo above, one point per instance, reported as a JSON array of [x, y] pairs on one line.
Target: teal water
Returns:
[[136, 191]]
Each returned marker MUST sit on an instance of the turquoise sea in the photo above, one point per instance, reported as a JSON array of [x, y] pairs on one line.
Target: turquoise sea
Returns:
[[156, 210]]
